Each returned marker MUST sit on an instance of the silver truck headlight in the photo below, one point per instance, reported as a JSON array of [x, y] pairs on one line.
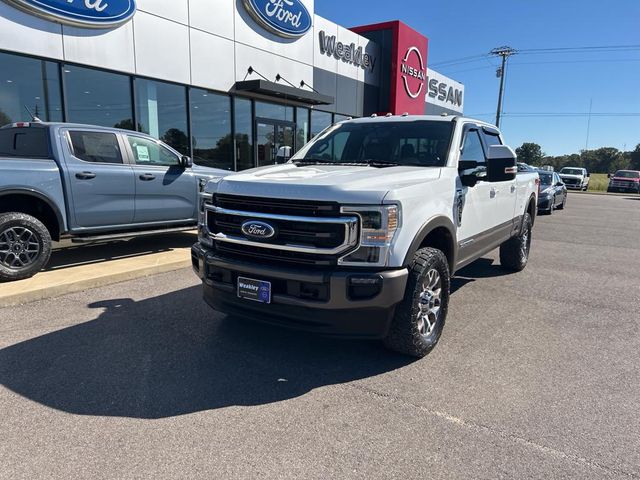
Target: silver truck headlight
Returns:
[[378, 226], [203, 235]]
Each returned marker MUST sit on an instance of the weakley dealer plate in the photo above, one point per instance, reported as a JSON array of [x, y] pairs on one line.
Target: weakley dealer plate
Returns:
[[256, 290]]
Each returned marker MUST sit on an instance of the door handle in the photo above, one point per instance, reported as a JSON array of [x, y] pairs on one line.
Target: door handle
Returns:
[[513, 188], [147, 177], [493, 193], [85, 175]]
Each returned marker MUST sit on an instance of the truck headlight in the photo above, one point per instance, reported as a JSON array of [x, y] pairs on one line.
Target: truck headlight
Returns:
[[203, 236], [378, 226]]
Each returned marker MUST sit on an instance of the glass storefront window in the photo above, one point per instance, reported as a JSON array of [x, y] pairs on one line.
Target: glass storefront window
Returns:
[[319, 121], [161, 111], [302, 127], [95, 97], [211, 129], [274, 111], [28, 83], [244, 134]]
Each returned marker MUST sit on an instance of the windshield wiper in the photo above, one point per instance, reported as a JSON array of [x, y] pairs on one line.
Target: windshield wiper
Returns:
[[361, 163]]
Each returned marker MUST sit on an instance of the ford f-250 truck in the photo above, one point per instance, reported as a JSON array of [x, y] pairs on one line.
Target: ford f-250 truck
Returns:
[[360, 232], [89, 184]]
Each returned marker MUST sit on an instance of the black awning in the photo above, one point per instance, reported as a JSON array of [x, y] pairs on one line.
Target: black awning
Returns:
[[278, 90]]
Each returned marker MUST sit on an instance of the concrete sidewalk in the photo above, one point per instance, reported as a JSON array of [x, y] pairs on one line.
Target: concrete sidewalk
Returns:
[[74, 268]]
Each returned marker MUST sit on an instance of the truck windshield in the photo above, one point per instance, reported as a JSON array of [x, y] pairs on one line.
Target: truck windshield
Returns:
[[421, 143], [627, 174], [571, 171]]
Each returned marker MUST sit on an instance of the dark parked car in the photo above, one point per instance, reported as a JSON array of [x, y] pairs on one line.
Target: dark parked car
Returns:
[[553, 192], [624, 181]]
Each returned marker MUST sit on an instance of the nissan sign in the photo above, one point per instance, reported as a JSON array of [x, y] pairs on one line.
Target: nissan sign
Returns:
[[80, 13], [285, 18], [444, 91]]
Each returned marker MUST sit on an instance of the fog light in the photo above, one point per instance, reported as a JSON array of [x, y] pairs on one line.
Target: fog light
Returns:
[[364, 287]]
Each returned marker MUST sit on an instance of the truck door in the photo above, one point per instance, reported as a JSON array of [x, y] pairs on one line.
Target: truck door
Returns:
[[100, 184], [505, 193], [165, 191], [475, 205]]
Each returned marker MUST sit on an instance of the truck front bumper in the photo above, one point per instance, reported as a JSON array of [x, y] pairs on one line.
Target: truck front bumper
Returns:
[[357, 303]]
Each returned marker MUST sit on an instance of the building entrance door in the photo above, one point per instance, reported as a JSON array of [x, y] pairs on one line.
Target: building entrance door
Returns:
[[270, 136]]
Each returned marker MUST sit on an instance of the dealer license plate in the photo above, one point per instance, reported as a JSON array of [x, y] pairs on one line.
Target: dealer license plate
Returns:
[[256, 290]]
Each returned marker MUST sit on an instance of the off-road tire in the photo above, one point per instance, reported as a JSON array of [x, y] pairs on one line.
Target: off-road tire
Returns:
[[404, 334], [514, 253], [33, 260]]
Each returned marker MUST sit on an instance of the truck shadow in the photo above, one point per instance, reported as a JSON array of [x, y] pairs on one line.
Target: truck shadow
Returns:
[[67, 255], [171, 355], [481, 268]]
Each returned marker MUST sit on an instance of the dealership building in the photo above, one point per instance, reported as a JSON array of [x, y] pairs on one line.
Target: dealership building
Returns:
[[225, 81]]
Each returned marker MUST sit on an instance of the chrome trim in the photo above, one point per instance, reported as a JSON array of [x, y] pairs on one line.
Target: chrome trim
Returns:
[[351, 236]]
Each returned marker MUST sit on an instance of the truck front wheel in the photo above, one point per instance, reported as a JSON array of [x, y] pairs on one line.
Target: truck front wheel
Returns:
[[420, 317], [514, 253], [25, 246]]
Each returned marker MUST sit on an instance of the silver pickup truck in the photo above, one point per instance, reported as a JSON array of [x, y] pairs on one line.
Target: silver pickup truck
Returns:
[[89, 184]]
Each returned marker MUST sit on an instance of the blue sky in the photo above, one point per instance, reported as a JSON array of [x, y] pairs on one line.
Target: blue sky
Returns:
[[536, 83]]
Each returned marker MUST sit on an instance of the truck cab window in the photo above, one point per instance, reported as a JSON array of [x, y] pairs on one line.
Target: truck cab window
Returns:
[[146, 152], [472, 148], [96, 147]]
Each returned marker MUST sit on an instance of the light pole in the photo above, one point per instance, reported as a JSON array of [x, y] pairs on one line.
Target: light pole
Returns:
[[504, 52]]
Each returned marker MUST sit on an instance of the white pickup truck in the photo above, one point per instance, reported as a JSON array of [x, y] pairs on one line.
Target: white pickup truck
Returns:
[[359, 233]]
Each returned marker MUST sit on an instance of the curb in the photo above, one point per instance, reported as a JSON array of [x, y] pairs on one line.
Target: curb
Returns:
[[19, 298]]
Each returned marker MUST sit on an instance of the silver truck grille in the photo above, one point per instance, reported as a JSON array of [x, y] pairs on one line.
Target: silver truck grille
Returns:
[[315, 234]]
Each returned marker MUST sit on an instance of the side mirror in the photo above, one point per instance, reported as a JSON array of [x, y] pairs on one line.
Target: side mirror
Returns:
[[283, 155], [588, 174], [501, 164], [609, 175], [468, 171], [186, 161], [559, 184]]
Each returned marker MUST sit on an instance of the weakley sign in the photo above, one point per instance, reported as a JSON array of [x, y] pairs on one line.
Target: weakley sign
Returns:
[[81, 13], [285, 18], [348, 53]]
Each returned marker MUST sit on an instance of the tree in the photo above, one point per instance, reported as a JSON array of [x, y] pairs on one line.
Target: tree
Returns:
[[530, 153], [634, 158]]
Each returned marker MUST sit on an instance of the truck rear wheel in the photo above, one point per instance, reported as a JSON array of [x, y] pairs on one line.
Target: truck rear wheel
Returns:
[[419, 319], [25, 246], [514, 253]]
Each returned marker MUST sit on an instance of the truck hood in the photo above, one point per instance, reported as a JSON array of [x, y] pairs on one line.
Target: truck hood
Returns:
[[342, 183], [566, 175]]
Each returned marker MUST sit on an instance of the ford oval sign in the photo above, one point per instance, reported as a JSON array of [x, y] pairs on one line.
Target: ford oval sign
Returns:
[[80, 13], [286, 18], [258, 230]]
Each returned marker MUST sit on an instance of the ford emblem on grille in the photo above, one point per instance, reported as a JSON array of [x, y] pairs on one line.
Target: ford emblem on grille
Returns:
[[258, 230]]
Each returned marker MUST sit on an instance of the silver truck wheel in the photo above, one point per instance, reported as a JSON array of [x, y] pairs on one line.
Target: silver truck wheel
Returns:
[[25, 246], [420, 317], [514, 253]]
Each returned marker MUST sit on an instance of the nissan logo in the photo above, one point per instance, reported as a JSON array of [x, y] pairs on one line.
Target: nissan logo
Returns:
[[258, 230]]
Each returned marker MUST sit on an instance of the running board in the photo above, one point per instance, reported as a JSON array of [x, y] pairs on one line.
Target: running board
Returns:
[[128, 235]]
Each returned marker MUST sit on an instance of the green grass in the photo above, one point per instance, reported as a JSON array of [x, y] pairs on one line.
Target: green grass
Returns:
[[598, 182]]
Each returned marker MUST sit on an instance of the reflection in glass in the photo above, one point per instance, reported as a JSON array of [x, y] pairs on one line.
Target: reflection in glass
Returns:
[[211, 129], [244, 134], [161, 110], [97, 98], [28, 83], [274, 112], [319, 121], [302, 127]]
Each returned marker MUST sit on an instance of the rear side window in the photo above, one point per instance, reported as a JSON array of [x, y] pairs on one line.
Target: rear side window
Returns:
[[96, 147], [31, 142]]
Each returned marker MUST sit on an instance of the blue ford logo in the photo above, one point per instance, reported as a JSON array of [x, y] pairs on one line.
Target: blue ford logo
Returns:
[[258, 230], [82, 13], [286, 18]]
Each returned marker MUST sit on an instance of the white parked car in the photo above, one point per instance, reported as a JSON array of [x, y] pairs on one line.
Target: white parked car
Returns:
[[575, 178], [360, 232]]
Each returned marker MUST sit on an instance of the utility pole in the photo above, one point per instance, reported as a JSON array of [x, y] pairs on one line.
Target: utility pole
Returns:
[[505, 52], [586, 144]]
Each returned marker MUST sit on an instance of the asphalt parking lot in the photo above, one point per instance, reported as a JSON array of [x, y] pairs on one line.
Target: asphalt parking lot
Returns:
[[537, 376]]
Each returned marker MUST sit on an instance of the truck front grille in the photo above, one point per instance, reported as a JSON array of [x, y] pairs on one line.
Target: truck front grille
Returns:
[[310, 233]]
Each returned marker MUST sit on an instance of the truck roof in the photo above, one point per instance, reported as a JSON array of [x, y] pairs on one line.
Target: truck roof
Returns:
[[415, 118]]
